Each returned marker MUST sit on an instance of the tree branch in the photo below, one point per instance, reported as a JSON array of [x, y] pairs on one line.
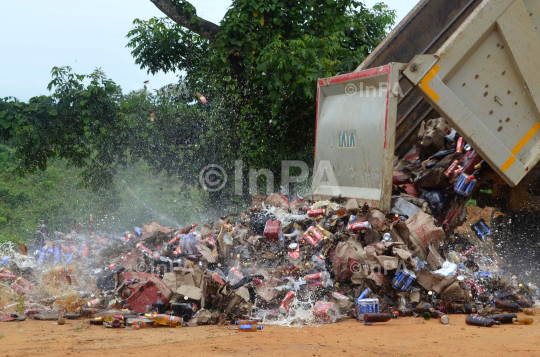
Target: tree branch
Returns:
[[182, 17]]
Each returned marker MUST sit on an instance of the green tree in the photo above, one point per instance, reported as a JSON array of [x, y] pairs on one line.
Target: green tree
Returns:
[[261, 64], [79, 123], [258, 69]]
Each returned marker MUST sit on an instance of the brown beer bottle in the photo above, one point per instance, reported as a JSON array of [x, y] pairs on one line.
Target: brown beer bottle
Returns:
[[504, 318], [424, 307], [475, 320], [406, 312], [507, 305], [341, 212], [525, 303], [524, 320], [443, 318], [378, 317], [469, 308], [530, 312]]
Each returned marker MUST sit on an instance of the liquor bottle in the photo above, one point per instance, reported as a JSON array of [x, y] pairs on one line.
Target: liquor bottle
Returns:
[[406, 312], [504, 318], [249, 328], [475, 320], [469, 308], [158, 306], [186, 229], [86, 312], [524, 320], [505, 294], [525, 303], [105, 318], [246, 322], [341, 212], [72, 316], [96, 321], [116, 323], [166, 320], [183, 310], [143, 249], [507, 305], [529, 312], [133, 321], [141, 322], [94, 303], [425, 307], [286, 303], [378, 317], [443, 318]]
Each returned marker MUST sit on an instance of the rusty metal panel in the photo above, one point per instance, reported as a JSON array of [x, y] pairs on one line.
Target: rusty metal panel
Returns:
[[484, 81], [355, 138], [425, 28]]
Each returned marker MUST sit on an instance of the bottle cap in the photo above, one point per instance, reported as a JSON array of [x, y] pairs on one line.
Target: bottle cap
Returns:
[[445, 320]]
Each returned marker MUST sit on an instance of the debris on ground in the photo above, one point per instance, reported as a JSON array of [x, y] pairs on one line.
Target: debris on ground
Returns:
[[286, 263]]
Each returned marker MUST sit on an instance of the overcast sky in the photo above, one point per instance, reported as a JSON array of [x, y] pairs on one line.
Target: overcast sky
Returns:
[[37, 35]]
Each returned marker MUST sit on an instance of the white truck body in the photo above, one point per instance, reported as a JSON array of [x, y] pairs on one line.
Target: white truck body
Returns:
[[484, 81]]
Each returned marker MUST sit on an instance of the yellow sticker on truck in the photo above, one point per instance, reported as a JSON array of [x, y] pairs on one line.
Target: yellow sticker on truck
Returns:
[[520, 146], [424, 84]]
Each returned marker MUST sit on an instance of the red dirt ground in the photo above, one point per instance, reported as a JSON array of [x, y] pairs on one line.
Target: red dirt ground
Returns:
[[403, 337]]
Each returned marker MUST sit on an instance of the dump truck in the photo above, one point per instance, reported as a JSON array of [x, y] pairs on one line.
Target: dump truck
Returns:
[[472, 63]]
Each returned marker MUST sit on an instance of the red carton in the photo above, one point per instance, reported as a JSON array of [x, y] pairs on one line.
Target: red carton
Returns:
[[272, 231], [146, 295]]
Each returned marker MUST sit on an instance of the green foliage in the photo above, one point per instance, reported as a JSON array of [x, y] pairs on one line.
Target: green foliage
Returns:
[[172, 48], [259, 75], [55, 196], [78, 123], [264, 65]]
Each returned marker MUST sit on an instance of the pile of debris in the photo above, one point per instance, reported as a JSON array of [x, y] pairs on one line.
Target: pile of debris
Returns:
[[284, 262]]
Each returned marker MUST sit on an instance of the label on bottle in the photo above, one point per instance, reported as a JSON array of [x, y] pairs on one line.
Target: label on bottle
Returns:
[[246, 327]]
